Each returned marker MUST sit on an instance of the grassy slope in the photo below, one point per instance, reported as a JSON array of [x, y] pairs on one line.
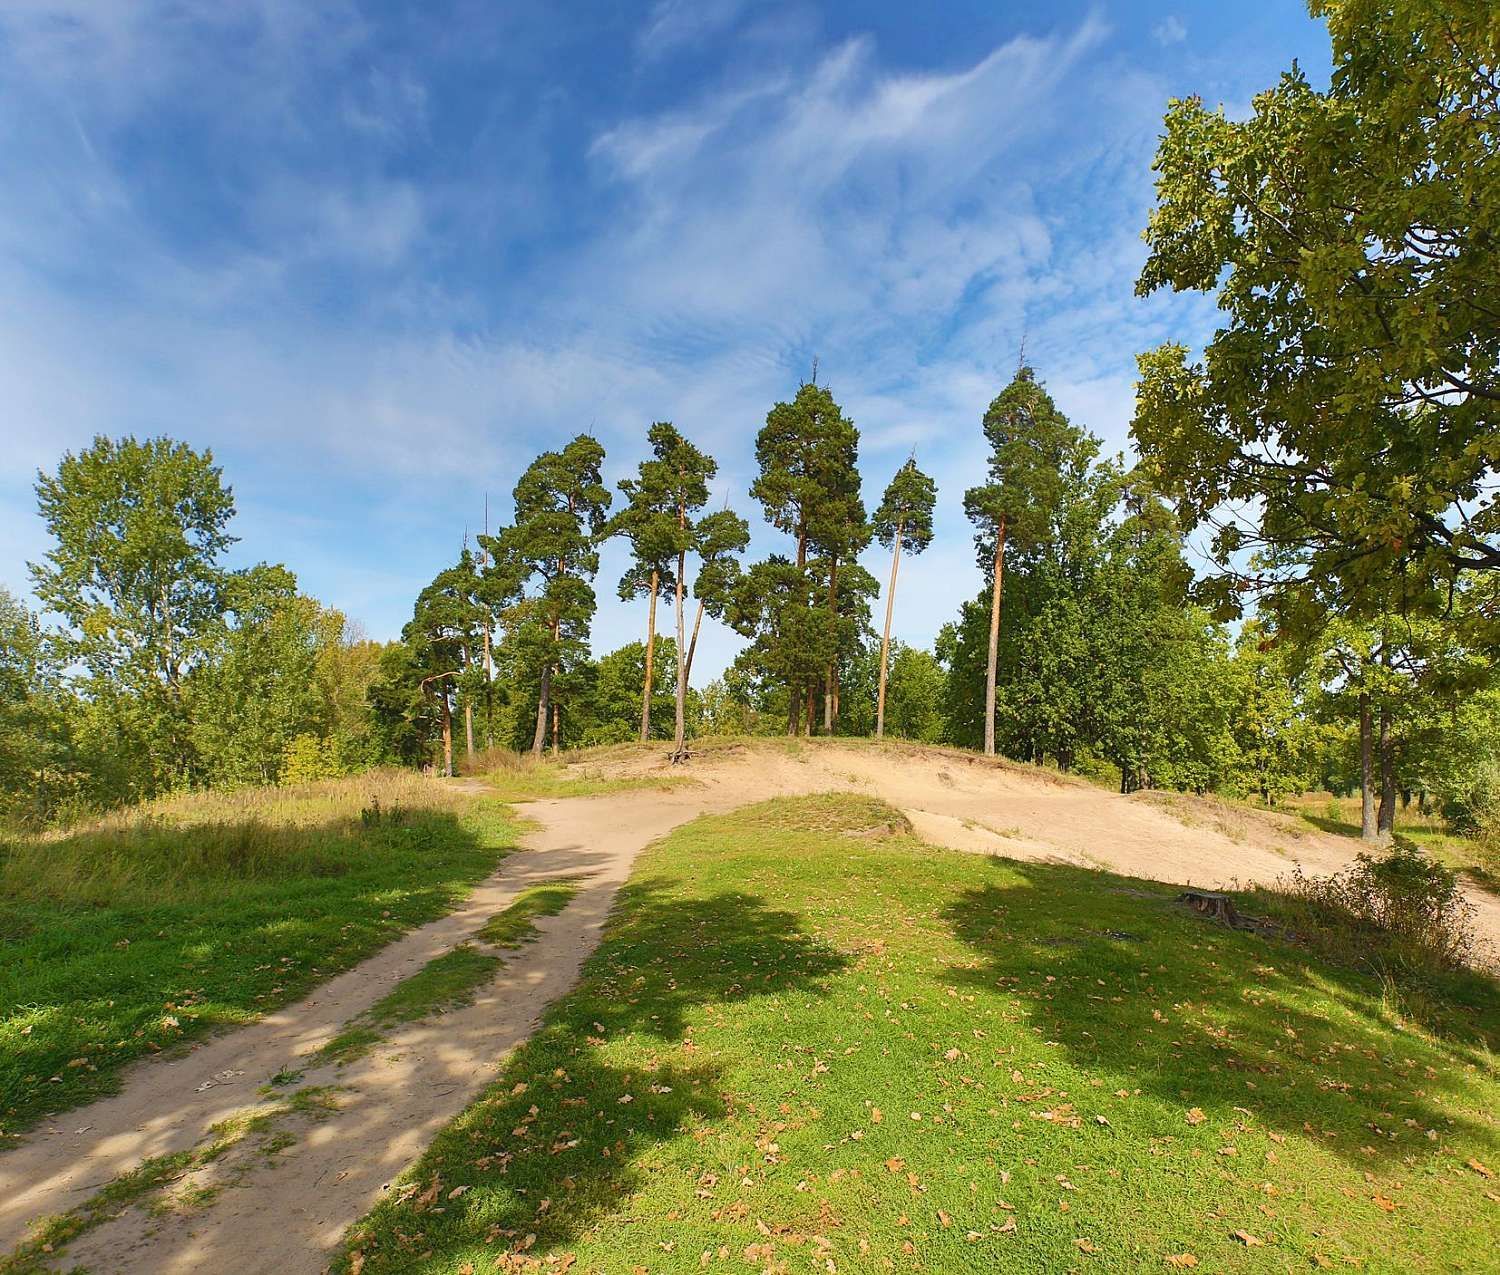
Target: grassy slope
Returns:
[[130, 937], [799, 1045]]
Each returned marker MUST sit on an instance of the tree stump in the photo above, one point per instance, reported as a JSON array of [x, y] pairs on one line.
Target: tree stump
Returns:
[[1218, 907]]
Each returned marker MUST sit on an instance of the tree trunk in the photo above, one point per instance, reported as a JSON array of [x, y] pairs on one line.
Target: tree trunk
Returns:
[[1385, 821], [679, 745], [833, 613], [885, 640], [556, 729], [447, 734], [540, 738], [1366, 771], [650, 654], [807, 722], [468, 728], [693, 641], [794, 693], [489, 691], [989, 676]]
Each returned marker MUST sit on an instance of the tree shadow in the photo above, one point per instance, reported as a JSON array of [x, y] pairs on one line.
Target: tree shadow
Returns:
[[568, 1128], [1235, 1024]]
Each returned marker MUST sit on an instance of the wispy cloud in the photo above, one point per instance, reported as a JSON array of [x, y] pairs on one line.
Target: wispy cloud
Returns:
[[377, 267], [1170, 30]]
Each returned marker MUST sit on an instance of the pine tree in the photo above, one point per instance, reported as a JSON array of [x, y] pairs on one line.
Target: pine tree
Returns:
[[722, 536], [904, 517], [649, 522], [808, 486], [552, 548], [1031, 442]]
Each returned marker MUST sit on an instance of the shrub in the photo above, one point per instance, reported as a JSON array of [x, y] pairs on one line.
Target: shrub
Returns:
[[1473, 808], [1400, 911]]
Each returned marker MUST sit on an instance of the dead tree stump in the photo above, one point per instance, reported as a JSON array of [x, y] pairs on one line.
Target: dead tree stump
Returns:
[[1218, 907]]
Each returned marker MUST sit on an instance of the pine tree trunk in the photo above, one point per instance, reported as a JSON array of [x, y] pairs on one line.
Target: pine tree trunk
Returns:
[[693, 641], [679, 746], [489, 691], [1385, 821], [540, 738], [885, 640], [1366, 771], [447, 735], [795, 693], [833, 613], [650, 653], [556, 729], [989, 677], [468, 728]]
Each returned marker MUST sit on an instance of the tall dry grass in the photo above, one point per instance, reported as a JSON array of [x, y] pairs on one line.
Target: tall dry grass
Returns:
[[194, 845]]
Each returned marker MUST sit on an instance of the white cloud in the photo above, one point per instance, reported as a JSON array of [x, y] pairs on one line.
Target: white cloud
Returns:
[[1170, 30], [678, 24], [904, 226]]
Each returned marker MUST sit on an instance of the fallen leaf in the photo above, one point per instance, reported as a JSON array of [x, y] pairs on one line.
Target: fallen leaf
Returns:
[[1195, 1115], [1483, 1170], [1245, 1238], [1384, 1204], [1086, 1247], [1180, 1259]]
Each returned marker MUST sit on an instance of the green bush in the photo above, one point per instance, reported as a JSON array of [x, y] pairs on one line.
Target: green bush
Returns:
[[1400, 911], [1473, 808]]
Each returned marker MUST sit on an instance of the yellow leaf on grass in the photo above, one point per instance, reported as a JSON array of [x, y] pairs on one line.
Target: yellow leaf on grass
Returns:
[[1483, 1170], [1245, 1238], [1180, 1259], [1195, 1115]]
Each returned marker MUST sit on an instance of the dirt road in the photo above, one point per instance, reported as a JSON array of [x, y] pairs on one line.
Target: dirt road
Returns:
[[280, 1202]]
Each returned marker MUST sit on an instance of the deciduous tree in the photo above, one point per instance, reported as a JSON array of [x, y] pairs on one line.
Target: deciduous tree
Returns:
[[1344, 422]]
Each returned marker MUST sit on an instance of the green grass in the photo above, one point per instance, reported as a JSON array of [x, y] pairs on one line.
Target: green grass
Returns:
[[802, 1044], [135, 934], [516, 925], [444, 983]]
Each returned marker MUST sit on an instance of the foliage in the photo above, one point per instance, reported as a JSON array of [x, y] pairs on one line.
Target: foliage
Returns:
[[547, 560], [134, 572], [1402, 911], [1342, 423], [808, 485]]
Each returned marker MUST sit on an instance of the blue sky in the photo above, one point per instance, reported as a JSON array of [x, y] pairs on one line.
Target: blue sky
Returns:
[[376, 256]]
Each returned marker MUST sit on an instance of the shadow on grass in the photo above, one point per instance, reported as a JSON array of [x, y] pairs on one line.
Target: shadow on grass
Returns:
[[125, 943], [569, 1128], [1201, 1016]]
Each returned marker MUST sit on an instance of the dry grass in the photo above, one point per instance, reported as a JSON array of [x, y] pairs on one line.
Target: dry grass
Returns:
[[190, 846], [587, 772]]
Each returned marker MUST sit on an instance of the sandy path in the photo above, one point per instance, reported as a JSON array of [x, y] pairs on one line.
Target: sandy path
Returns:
[[286, 1214]]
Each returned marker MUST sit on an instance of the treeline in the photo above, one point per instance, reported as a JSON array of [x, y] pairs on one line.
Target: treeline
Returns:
[[1297, 585], [1085, 649]]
